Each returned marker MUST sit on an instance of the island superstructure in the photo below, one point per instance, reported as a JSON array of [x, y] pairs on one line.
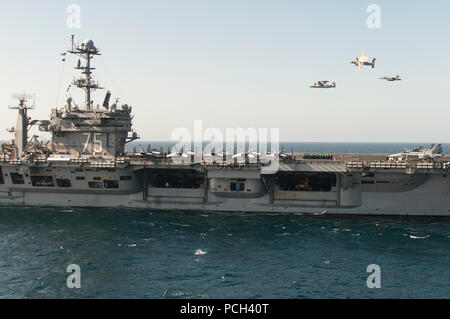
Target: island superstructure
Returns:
[[85, 164]]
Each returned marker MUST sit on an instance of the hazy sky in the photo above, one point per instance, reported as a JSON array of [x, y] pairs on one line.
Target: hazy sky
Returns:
[[244, 63]]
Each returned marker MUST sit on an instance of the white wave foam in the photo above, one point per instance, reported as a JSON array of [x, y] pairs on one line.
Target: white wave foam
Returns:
[[200, 252], [419, 237]]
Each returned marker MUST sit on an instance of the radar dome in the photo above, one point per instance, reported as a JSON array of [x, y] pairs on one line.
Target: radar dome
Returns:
[[88, 44]]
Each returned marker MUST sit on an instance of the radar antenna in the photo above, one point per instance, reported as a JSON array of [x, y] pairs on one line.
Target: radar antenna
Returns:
[[87, 51], [23, 122]]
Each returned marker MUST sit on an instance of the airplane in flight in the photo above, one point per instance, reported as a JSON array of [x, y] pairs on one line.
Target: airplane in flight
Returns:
[[363, 60], [391, 79], [323, 85], [419, 153]]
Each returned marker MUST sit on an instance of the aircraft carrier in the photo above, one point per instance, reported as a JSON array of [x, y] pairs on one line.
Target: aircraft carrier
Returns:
[[86, 165]]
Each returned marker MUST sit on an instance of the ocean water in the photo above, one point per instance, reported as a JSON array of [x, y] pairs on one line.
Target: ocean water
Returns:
[[125, 253], [154, 254]]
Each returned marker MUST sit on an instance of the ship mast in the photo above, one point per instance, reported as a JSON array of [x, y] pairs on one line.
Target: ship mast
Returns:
[[21, 128], [87, 51]]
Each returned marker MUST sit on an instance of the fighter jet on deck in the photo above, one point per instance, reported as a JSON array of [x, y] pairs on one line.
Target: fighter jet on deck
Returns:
[[391, 79], [363, 60], [323, 85], [419, 153]]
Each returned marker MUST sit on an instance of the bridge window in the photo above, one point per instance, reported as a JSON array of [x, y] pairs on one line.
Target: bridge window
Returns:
[[42, 181], [17, 178], [110, 183], [63, 182], [97, 178], [80, 178], [125, 178]]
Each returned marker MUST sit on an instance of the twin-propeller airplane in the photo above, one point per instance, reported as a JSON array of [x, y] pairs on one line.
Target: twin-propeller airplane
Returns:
[[359, 62], [323, 85], [363, 60]]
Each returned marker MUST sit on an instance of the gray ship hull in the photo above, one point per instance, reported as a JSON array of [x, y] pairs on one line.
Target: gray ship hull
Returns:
[[384, 193]]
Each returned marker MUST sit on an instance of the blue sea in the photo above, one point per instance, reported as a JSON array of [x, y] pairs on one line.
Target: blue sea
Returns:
[[125, 253]]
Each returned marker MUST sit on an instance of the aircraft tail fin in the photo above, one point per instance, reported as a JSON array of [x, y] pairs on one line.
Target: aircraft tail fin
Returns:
[[437, 149]]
